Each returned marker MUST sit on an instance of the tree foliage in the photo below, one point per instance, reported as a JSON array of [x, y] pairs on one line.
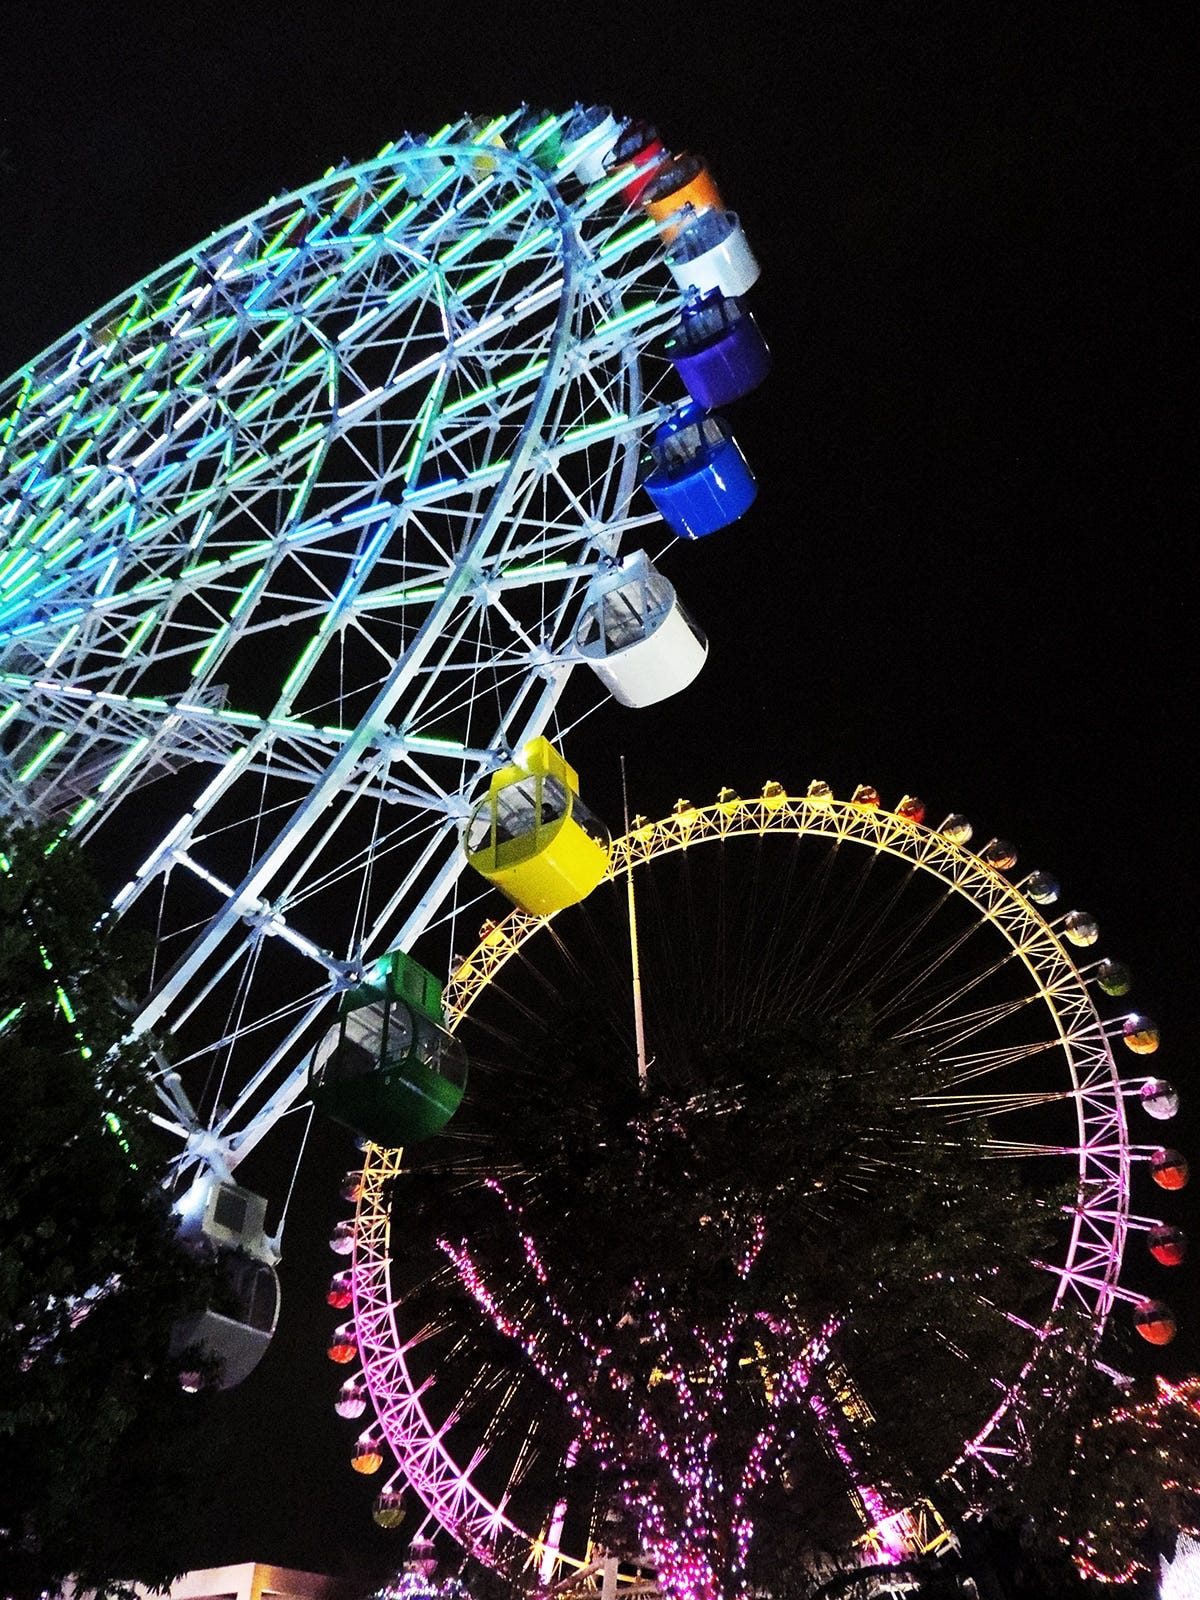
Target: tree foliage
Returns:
[[767, 1293], [96, 1464], [1112, 1478]]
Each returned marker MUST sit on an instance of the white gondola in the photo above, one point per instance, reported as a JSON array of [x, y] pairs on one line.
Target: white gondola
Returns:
[[225, 1221], [635, 635], [712, 253], [587, 140]]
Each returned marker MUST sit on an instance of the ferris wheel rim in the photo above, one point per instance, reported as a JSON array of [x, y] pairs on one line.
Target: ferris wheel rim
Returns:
[[410, 151]]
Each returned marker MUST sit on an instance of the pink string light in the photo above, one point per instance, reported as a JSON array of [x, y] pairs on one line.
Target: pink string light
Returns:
[[694, 1528]]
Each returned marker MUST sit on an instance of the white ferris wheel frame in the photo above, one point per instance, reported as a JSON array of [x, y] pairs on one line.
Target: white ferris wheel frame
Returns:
[[209, 460]]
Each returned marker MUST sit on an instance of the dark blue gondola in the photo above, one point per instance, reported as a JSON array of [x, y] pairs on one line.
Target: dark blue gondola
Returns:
[[699, 481], [718, 351]]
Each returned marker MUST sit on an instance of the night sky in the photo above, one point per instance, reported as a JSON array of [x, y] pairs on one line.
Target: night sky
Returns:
[[970, 569]]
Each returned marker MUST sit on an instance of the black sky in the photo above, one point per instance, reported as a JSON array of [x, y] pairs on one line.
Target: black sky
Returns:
[[970, 572]]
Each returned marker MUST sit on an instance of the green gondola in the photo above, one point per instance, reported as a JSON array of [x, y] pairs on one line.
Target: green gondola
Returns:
[[389, 1069]]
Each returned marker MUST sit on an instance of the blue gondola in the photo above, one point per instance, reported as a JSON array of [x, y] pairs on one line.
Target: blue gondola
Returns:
[[718, 351], [700, 481], [389, 1069]]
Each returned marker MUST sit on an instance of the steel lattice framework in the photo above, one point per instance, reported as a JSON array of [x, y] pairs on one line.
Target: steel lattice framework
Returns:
[[300, 526], [1078, 1072]]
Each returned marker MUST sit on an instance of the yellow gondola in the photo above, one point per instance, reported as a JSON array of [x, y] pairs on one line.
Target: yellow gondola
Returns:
[[533, 837]]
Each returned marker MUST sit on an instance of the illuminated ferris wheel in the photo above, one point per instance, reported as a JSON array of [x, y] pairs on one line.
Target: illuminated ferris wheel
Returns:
[[296, 537], [477, 1368]]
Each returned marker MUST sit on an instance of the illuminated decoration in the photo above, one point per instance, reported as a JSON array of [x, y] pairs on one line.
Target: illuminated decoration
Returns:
[[305, 520], [686, 1555], [1123, 1575], [416, 1583], [1142, 1463], [567, 1389]]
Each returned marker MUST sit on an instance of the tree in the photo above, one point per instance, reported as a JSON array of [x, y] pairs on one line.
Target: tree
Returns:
[[712, 1284], [1138, 1477], [97, 1465], [1110, 1483]]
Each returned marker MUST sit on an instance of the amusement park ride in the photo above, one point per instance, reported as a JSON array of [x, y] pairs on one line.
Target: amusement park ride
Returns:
[[308, 529]]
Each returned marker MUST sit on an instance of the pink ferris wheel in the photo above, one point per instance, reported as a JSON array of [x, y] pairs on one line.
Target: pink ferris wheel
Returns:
[[465, 1349]]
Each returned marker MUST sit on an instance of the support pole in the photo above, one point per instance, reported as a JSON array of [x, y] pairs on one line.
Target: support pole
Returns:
[[639, 1025]]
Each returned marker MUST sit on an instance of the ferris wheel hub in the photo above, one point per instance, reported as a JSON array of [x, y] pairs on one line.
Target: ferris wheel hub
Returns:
[[213, 1152]]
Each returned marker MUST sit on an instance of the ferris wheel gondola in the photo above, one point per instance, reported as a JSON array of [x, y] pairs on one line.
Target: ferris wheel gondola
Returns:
[[636, 636]]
